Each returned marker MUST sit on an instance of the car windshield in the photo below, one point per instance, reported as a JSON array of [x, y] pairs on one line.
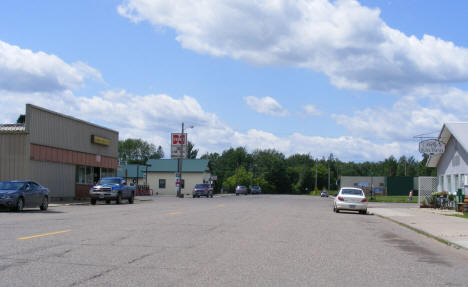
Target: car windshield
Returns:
[[8, 185], [241, 186], [109, 181], [255, 187], [351, 191], [201, 186]]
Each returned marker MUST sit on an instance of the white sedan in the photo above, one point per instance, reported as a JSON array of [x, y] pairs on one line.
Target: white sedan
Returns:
[[350, 198]]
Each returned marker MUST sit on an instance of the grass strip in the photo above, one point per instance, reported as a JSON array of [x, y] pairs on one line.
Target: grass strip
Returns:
[[394, 199]]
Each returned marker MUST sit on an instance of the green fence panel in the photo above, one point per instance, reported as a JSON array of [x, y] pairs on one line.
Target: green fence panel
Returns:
[[399, 185]]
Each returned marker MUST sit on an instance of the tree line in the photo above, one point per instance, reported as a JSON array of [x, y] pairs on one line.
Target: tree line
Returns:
[[300, 173], [276, 173], [138, 151]]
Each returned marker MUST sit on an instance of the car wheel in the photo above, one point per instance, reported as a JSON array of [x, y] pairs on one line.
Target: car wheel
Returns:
[[45, 203], [364, 212], [93, 201], [237, 194], [131, 200], [108, 201], [118, 200], [19, 205]]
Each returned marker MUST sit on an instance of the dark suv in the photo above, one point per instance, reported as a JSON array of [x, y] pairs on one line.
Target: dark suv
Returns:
[[202, 189]]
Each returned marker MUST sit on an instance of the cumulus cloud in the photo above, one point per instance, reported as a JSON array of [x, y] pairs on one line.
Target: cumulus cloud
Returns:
[[424, 111], [311, 110], [154, 117], [23, 70], [266, 106], [348, 42]]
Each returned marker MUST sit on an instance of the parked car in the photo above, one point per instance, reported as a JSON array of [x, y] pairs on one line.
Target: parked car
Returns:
[[202, 189], [112, 188], [241, 189], [255, 189], [324, 193], [17, 194], [350, 198]]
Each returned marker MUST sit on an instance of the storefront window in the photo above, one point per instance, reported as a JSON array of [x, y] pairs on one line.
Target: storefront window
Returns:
[[162, 183], [89, 175], [81, 175]]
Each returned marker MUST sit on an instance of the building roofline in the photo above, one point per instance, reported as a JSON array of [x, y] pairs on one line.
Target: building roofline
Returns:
[[68, 117]]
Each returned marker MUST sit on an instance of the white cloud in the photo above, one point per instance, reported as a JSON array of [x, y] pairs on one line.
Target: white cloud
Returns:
[[343, 39], [311, 110], [266, 106], [23, 70], [154, 117], [423, 112]]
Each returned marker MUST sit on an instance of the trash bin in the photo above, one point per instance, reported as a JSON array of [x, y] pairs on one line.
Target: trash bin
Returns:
[[460, 198]]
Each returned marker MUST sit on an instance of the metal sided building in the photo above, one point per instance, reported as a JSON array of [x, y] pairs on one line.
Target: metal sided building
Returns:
[[63, 153]]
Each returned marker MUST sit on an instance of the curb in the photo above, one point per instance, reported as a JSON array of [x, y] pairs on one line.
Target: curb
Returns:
[[422, 232], [68, 204]]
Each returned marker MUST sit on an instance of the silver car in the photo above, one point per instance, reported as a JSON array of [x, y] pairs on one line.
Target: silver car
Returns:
[[350, 198], [241, 189]]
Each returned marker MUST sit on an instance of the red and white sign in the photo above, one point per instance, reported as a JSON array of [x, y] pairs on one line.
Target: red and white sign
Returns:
[[178, 139], [178, 145]]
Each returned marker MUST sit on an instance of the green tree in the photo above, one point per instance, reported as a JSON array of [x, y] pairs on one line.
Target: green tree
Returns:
[[158, 154], [191, 151], [135, 151]]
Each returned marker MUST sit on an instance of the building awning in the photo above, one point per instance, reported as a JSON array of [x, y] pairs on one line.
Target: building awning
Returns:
[[12, 129]]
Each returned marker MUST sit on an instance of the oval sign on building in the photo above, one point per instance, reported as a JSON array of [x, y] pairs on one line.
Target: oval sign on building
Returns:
[[431, 146]]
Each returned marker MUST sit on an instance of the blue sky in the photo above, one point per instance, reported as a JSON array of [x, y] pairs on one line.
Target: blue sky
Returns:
[[355, 78]]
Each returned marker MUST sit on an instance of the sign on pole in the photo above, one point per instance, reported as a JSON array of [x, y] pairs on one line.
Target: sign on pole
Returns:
[[431, 146], [178, 145]]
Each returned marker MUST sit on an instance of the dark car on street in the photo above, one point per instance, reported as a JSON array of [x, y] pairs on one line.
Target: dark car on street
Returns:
[[202, 189], [255, 189], [17, 195], [241, 189]]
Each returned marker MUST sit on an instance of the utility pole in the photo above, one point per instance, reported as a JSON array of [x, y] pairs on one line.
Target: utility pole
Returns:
[[138, 172], [329, 171], [316, 164]]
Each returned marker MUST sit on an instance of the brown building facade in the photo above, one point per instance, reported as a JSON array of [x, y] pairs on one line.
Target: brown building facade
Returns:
[[63, 153]]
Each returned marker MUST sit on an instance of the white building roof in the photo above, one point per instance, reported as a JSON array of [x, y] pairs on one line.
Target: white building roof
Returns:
[[458, 131]]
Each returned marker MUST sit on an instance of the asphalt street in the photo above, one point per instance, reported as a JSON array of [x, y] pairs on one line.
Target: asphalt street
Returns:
[[254, 240]]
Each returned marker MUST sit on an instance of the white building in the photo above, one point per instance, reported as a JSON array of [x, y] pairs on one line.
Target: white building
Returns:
[[452, 165], [161, 175]]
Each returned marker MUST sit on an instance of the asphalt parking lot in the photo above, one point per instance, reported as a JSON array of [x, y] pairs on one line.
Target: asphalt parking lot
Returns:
[[260, 240]]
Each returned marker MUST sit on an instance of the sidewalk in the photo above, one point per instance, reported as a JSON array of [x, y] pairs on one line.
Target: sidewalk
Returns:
[[432, 222]]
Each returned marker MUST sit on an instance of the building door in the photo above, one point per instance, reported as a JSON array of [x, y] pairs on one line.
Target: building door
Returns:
[[96, 174]]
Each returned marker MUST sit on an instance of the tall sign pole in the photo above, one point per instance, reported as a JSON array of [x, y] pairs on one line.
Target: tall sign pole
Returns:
[[179, 169], [179, 152]]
